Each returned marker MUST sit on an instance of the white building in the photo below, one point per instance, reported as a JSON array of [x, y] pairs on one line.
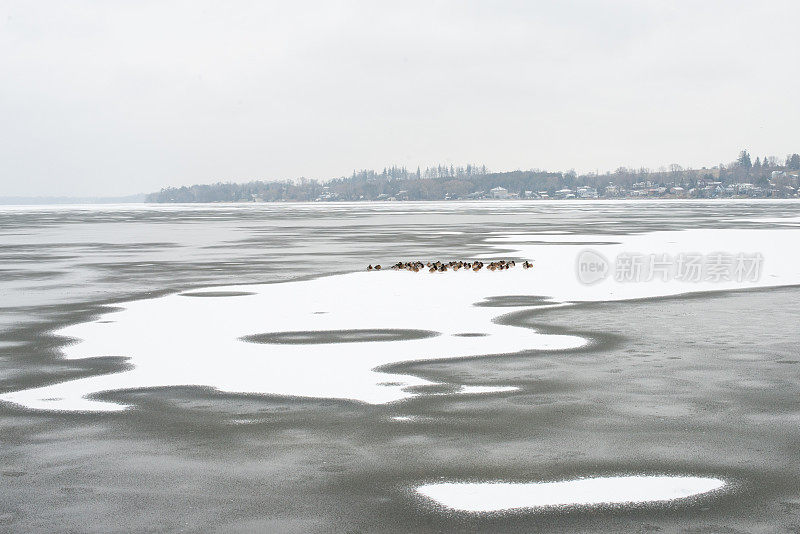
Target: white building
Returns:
[[565, 193], [499, 192]]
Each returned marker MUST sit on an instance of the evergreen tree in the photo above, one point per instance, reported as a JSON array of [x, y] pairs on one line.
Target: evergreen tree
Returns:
[[744, 160]]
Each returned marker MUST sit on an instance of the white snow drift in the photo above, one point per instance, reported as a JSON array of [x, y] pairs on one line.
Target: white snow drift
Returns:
[[501, 496], [182, 340]]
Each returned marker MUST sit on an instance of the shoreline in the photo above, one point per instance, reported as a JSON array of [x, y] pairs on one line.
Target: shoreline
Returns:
[[100, 205]]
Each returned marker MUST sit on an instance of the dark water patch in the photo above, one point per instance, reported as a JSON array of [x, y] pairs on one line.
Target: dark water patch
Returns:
[[34, 258], [434, 389], [311, 337], [32, 354], [597, 340], [25, 274], [25, 372], [217, 294], [76, 490], [493, 366], [513, 301]]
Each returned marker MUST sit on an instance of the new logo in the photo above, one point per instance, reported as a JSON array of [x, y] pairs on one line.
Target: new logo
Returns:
[[592, 267]]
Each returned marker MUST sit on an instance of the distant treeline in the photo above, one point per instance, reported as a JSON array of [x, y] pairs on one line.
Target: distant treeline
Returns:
[[364, 185], [476, 181]]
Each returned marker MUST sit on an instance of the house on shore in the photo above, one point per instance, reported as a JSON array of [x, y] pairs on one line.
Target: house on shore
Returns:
[[499, 192]]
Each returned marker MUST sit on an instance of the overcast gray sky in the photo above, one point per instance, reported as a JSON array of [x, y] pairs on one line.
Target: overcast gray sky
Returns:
[[109, 98]]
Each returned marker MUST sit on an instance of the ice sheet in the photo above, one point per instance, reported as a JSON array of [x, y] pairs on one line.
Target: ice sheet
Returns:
[[175, 340]]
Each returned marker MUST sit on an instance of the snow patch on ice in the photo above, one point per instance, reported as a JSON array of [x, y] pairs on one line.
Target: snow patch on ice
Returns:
[[485, 497], [176, 341]]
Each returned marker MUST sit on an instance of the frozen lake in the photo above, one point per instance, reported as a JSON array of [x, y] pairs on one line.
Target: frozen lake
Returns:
[[243, 353]]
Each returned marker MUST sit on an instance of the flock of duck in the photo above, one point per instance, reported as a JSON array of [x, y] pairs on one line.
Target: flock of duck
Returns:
[[437, 266]]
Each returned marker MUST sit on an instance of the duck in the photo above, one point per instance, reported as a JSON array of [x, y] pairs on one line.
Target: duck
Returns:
[[439, 266]]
